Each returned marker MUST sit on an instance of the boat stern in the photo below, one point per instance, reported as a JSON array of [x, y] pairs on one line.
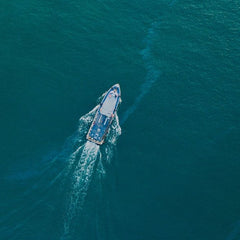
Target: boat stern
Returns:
[[94, 141]]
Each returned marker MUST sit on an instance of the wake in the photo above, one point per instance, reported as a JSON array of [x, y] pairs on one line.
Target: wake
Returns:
[[81, 179], [82, 164]]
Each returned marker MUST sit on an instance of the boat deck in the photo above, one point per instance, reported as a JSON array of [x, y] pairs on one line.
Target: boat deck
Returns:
[[109, 105], [99, 128]]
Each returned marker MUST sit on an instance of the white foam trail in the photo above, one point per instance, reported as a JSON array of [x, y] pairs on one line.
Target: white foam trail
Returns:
[[81, 180], [100, 167], [152, 72]]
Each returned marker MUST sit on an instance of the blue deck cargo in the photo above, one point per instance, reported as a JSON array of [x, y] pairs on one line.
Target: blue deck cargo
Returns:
[[105, 115]]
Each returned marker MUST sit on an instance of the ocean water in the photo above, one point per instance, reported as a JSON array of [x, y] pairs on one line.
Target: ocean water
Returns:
[[169, 169]]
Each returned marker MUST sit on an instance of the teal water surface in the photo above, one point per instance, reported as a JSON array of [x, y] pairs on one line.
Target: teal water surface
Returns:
[[169, 169]]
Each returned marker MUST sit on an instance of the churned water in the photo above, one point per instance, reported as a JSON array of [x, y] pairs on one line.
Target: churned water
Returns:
[[169, 169]]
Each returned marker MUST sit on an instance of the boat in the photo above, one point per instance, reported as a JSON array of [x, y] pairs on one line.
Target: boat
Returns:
[[104, 115]]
